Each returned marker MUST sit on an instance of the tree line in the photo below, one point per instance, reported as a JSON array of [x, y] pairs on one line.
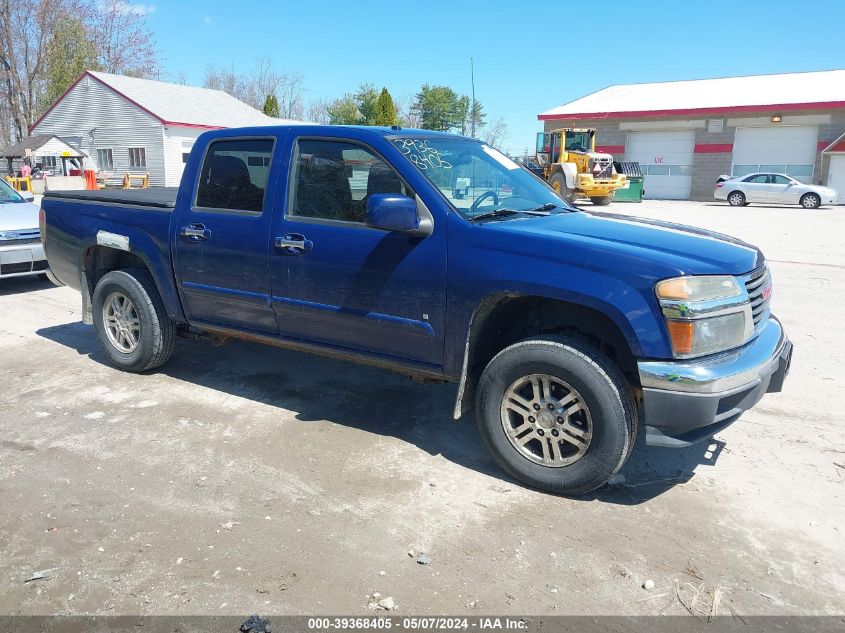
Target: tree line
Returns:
[[433, 107], [45, 45]]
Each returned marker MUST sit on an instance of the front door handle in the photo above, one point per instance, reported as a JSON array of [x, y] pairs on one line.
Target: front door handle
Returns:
[[195, 232], [293, 244]]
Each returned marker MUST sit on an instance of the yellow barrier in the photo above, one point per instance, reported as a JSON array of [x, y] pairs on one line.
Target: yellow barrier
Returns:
[[129, 178], [24, 183]]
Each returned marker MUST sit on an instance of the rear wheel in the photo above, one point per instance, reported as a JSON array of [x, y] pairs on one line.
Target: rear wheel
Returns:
[[558, 183], [132, 326], [556, 414], [736, 199], [811, 201], [602, 200]]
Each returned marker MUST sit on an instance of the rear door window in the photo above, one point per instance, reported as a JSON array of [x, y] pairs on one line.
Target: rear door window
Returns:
[[234, 175]]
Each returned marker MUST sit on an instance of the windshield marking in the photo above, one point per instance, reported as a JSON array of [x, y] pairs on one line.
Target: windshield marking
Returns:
[[425, 156]]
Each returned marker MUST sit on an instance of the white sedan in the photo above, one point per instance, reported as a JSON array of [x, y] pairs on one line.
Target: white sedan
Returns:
[[773, 189], [21, 252]]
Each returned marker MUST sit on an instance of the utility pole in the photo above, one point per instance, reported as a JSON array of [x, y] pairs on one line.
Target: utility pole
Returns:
[[472, 105]]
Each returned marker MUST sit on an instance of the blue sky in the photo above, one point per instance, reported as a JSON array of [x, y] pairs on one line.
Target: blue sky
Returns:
[[529, 56]]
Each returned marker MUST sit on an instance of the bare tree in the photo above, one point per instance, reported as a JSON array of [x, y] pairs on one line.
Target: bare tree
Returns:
[[290, 93], [318, 112], [254, 86], [494, 134], [226, 79], [125, 43], [25, 30], [405, 111]]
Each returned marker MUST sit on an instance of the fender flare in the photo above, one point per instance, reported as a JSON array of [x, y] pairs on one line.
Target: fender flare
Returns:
[[488, 305]]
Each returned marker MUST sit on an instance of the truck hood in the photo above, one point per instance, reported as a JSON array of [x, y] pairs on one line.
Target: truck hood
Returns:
[[685, 249], [15, 216]]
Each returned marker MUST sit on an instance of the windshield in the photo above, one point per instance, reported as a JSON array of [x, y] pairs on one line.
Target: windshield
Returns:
[[7, 194], [577, 141], [475, 178]]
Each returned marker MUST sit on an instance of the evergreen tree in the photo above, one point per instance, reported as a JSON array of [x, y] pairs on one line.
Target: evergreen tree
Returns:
[[271, 106], [438, 108], [385, 110]]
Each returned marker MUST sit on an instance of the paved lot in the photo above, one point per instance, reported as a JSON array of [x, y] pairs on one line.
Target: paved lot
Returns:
[[245, 478]]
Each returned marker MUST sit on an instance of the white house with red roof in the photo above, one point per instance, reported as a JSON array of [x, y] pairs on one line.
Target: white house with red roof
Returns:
[[685, 134], [125, 124]]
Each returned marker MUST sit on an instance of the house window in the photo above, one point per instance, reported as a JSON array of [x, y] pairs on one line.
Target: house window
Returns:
[[185, 156], [46, 162], [137, 157], [105, 159]]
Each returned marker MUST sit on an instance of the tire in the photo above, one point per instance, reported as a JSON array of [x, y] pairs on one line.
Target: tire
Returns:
[[736, 199], [602, 201], [606, 424], [558, 183], [128, 299], [811, 201]]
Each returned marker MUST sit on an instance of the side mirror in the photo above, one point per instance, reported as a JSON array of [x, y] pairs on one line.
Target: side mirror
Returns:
[[27, 195], [395, 212]]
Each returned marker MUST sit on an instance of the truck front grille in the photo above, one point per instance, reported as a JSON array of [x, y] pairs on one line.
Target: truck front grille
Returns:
[[759, 287]]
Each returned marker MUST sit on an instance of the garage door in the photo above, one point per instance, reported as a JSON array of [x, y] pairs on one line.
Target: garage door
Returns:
[[785, 150], [666, 160], [836, 175]]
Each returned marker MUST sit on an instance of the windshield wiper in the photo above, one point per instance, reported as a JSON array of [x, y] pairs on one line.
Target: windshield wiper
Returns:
[[543, 209]]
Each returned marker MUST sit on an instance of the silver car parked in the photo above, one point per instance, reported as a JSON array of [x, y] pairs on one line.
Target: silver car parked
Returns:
[[21, 252], [773, 189]]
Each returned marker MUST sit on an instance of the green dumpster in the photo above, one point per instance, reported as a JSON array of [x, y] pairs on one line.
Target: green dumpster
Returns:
[[633, 189]]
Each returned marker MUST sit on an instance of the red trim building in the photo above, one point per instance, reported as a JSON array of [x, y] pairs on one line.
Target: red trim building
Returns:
[[685, 134]]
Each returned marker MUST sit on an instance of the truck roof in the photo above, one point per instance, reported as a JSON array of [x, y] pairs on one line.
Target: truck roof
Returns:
[[317, 129]]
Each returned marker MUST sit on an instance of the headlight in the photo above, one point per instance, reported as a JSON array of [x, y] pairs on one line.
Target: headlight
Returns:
[[698, 288], [705, 314]]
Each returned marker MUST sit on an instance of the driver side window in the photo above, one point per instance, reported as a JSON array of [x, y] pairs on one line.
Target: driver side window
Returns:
[[332, 180]]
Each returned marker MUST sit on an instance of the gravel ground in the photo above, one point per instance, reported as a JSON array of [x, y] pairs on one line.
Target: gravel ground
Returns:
[[244, 478]]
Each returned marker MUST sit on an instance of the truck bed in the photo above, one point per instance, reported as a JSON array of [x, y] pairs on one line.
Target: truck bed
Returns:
[[158, 197]]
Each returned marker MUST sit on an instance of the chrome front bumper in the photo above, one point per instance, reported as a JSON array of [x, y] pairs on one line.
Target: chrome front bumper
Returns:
[[688, 401]]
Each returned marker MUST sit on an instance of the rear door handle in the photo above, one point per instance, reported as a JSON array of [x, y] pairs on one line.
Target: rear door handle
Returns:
[[195, 232], [293, 244]]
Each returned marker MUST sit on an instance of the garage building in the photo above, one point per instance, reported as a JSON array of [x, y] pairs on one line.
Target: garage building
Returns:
[[685, 134]]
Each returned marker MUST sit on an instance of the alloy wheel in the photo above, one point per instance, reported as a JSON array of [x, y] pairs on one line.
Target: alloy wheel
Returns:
[[546, 420]]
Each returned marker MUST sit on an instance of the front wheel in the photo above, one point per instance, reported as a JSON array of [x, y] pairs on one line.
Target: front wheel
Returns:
[[558, 183], [556, 414], [602, 201], [811, 201], [132, 326]]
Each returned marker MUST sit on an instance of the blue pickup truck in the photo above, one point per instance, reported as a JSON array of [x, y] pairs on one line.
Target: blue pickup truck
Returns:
[[436, 256]]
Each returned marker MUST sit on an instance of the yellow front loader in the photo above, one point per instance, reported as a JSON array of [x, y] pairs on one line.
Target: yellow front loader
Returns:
[[572, 166]]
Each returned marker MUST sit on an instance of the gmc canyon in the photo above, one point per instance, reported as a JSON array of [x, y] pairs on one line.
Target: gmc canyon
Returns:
[[439, 257]]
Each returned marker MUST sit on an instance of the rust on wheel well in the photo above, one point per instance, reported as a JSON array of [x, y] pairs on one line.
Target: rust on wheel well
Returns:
[[505, 319]]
